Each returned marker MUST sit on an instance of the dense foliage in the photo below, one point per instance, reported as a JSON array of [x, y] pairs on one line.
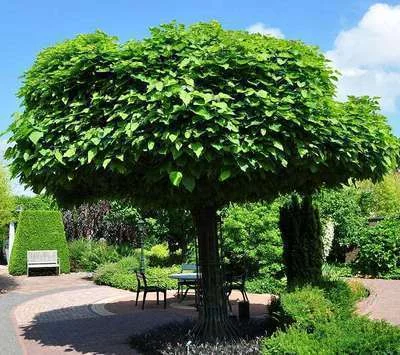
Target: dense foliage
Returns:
[[188, 115], [38, 230], [88, 255], [7, 204], [252, 244], [121, 274], [383, 198], [344, 208], [321, 322], [379, 249], [302, 245], [38, 203]]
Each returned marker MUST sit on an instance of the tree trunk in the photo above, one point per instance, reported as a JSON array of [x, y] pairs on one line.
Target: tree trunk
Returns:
[[214, 322]]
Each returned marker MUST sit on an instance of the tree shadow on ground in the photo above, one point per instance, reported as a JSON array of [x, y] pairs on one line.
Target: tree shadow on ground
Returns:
[[80, 329], [92, 333], [7, 283]]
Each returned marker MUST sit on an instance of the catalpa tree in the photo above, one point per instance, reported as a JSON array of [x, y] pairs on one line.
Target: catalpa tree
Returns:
[[192, 117]]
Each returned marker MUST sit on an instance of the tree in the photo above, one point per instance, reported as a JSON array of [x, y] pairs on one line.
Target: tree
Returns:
[[6, 201], [383, 198], [191, 117]]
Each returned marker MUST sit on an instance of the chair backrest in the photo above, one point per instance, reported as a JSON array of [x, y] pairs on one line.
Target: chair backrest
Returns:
[[42, 257], [188, 268], [233, 279], [141, 278]]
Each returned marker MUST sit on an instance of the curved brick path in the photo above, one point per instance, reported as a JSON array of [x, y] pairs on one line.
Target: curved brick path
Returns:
[[384, 300]]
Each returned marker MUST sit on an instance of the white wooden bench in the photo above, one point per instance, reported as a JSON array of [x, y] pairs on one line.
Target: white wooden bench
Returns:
[[41, 259]]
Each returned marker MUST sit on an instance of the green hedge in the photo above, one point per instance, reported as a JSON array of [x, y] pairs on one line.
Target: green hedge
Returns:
[[121, 274], [321, 320], [38, 230]]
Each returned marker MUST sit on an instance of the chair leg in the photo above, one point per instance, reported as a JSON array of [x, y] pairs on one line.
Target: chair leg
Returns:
[[244, 294], [158, 298], [137, 297], [165, 299], [144, 299]]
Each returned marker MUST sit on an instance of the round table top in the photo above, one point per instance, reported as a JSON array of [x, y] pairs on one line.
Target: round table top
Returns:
[[186, 276]]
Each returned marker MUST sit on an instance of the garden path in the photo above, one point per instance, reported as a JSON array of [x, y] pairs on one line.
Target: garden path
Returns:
[[384, 300]]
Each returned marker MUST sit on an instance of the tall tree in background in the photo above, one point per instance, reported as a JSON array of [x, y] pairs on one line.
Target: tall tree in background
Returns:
[[7, 203], [192, 117]]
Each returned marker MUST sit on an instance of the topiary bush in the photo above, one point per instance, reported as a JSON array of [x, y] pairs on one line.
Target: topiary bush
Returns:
[[302, 244], [38, 230]]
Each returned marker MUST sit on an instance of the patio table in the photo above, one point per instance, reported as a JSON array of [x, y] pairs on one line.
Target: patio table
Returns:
[[188, 277]]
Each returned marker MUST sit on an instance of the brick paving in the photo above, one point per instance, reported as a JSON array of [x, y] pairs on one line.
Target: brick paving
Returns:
[[384, 300]]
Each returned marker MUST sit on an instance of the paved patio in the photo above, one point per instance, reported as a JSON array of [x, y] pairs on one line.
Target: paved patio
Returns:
[[68, 313]]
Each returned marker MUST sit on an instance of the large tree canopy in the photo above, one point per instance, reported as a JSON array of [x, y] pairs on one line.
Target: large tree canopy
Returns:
[[190, 115]]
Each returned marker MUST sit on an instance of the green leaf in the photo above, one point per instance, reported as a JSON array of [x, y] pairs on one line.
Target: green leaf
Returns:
[[123, 115], [225, 174], [35, 136], [172, 137], [278, 146], [106, 162], [186, 97], [189, 81], [150, 145], [70, 152], [197, 148], [175, 177], [91, 155], [58, 156], [189, 183], [159, 85]]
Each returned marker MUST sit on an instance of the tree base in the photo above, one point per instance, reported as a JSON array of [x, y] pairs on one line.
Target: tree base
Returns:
[[213, 330]]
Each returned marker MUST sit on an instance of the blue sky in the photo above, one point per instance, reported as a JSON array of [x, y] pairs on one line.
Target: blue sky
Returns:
[[365, 29]]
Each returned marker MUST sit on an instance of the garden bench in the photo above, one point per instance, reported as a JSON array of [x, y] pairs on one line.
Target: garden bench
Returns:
[[42, 259]]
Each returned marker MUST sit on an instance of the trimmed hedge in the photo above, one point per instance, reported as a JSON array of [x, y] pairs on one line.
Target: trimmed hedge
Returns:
[[38, 230], [121, 275], [321, 320]]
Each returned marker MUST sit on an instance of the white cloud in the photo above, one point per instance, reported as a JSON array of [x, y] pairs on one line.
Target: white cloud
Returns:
[[261, 28], [16, 187], [368, 56]]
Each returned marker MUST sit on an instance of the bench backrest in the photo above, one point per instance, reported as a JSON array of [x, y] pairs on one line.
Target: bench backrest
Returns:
[[42, 257], [189, 267]]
